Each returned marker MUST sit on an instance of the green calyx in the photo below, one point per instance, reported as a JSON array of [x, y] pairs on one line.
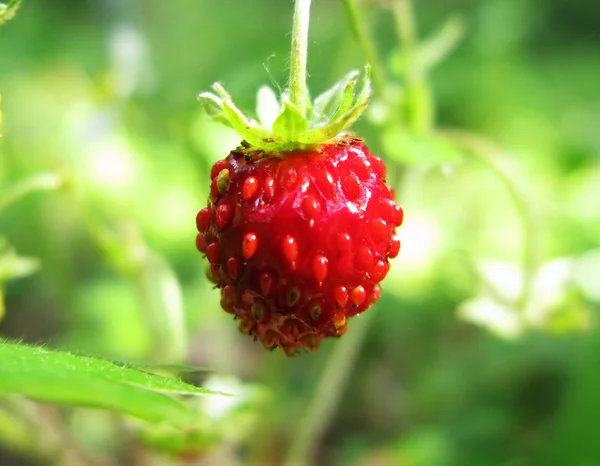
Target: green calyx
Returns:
[[281, 125]]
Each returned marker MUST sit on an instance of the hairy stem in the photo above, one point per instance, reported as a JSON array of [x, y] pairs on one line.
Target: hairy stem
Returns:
[[366, 45], [328, 393], [297, 86]]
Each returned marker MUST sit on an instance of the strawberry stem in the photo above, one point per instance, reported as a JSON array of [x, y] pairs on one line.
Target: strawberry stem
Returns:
[[298, 93]]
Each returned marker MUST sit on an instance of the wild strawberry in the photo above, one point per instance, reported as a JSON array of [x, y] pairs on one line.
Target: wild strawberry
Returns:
[[300, 223]]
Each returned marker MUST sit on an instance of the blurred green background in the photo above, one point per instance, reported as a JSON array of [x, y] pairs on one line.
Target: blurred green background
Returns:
[[99, 96]]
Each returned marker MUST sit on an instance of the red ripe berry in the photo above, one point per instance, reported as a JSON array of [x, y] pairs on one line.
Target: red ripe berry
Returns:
[[300, 223], [394, 247], [213, 253], [340, 294], [217, 167], [224, 214], [289, 248], [200, 243], [203, 219], [249, 245], [250, 188], [266, 280], [320, 267], [309, 244]]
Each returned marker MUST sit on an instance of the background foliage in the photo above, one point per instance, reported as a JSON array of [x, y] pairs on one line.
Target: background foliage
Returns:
[[104, 163]]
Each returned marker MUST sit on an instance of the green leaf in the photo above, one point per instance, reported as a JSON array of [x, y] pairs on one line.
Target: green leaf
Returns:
[[249, 130], [267, 106], [290, 122], [65, 378], [173, 370], [8, 10], [327, 104]]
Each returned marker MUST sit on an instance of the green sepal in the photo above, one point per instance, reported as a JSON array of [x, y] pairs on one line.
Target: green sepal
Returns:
[[290, 123], [327, 104], [248, 129], [349, 111], [213, 106], [221, 108], [282, 125], [347, 100]]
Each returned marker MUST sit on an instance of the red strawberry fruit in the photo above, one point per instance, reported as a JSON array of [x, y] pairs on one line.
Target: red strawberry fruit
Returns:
[[300, 224]]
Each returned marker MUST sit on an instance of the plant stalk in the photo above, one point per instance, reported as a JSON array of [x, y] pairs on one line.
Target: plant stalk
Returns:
[[328, 393], [367, 47], [299, 56], [405, 23], [419, 105]]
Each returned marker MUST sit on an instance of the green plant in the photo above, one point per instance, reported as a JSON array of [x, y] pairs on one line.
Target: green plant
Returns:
[[478, 348]]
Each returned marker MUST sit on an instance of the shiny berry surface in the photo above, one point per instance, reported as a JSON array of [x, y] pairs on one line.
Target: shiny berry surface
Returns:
[[298, 243]]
